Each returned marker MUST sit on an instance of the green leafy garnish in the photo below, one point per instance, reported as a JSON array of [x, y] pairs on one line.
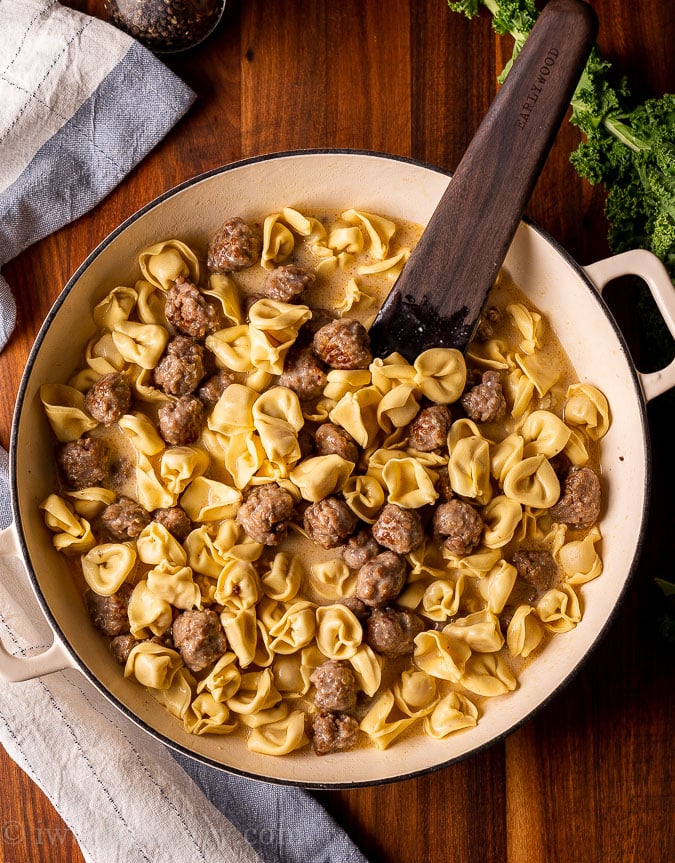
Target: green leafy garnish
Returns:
[[628, 148]]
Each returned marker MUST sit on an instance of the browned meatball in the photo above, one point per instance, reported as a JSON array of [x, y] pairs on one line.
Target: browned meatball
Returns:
[[303, 373], [181, 368], [235, 247], [580, 501], [359, 549], [392, 631], [265, 513], [333, 732], [175, 520], [214, 386], [398, 529], [329, 522], [84, 462], [381, 580], [485, 402], [537, 568], [429, 429], [305, 442], [121, 646], [443, 485], [343, 344], [287, 282], [320, 317], [473, 378], [110, 613], [460, 524], [109, 398], [180, 422], [330, 439], [335, 686], [561, 464], [199, 638], [358, 608], [188, 310], [124, 519], [489, 319]]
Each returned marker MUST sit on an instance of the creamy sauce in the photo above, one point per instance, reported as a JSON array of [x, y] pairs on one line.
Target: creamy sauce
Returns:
[[328, 292]]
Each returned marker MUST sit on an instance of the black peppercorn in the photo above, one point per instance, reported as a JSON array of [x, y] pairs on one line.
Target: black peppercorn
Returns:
[[166, 25]]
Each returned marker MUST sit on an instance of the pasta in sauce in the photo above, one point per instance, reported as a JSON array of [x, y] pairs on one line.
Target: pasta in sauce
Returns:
[[282, 535]]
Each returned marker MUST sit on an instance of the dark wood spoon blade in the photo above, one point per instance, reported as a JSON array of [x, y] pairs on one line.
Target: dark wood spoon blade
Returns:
[[438, 298]]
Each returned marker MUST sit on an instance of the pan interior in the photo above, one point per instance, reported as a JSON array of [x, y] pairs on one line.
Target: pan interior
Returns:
[[329, 181]]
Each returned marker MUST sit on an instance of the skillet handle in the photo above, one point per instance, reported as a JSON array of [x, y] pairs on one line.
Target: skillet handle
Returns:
[[15, 668], [642, 263]]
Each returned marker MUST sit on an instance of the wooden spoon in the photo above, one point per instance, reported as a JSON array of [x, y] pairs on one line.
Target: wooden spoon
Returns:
[[438, 298]]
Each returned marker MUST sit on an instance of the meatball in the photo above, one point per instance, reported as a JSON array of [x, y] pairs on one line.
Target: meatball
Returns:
[[265, 513], [199, 638], [214, 386], [392, 631], [320, 317], [358, 608], [333, 732], [305, 442], [485, 402], [188, 311], [109, 398], [124, 519], [537, 568], [121, 646], [84, 462], [175, 520], [398, 529], [330, 439], [181, 368], [487, 323], [287, 282], [460, 524], [561, 465], [429, 429], [335, 686], [110, 613], [359, 549], [343, 344], [180, 422], [381, 580], [303, 374], [329, 522], [443, 486], [235, 247], [579, 503]]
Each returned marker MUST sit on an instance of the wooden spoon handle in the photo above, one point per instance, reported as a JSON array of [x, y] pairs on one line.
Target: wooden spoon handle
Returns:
[[438, 298]]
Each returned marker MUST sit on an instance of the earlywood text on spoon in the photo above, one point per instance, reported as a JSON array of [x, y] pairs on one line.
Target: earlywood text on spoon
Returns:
[[537, 87]]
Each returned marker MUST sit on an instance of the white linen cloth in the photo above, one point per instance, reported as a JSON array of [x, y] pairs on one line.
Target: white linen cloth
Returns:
[[119, 790], [116, 787], [80, 104]]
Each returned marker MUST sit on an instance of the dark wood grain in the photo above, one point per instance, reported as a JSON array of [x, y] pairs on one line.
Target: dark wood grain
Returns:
[[438, 298], [590, 778]]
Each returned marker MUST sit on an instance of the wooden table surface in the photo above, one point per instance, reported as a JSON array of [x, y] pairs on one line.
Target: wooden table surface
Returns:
[[591, 777]]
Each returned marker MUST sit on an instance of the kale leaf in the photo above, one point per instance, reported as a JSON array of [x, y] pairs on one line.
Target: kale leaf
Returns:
[[629, 148]]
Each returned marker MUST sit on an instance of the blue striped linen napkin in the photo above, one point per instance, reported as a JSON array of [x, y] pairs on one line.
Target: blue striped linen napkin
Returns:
[[80, 104]]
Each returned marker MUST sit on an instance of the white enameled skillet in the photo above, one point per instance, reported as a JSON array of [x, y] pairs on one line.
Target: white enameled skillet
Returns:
[[567, 294]]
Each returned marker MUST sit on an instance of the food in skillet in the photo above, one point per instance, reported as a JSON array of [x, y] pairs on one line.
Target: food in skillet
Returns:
[[283, 536]]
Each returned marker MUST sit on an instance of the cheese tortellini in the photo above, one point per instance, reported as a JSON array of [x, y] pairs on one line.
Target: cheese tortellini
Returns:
[[234, 623]]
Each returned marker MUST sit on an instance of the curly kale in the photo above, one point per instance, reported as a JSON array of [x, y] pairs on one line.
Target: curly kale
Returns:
[[628, 148]]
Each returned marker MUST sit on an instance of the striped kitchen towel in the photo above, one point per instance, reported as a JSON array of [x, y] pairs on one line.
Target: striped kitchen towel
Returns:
[[80, 104]]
